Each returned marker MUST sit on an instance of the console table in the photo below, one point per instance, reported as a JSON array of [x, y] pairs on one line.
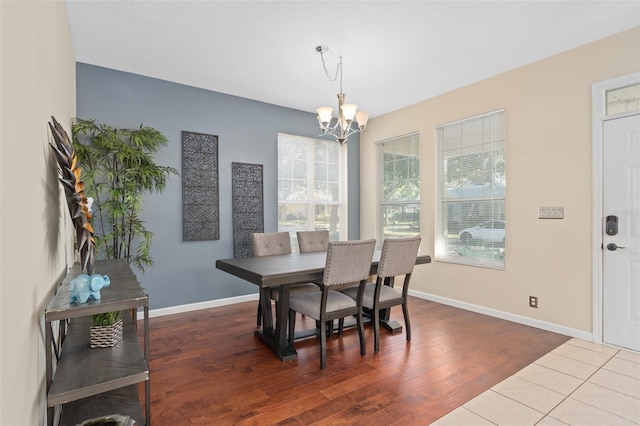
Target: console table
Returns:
[[83, 383]]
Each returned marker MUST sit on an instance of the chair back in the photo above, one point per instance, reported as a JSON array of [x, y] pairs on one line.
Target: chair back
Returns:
[[398, 256], [313, 241], [348, 262], [270, 243]]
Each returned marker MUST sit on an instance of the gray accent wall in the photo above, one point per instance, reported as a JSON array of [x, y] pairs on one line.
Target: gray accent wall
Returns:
[[247, 130]]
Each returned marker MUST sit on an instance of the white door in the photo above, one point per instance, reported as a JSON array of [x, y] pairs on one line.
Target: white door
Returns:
[[621, 235]]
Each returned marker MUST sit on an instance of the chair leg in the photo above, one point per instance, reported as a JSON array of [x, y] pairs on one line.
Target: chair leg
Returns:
[[340, 326], [407, 323], [323, 345], [376, 330], [361, 333]]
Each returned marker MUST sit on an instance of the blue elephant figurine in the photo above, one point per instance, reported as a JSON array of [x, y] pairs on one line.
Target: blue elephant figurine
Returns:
[[84, 286]]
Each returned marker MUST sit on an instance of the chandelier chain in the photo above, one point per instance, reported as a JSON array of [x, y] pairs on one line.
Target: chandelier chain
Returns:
[[321, 50]]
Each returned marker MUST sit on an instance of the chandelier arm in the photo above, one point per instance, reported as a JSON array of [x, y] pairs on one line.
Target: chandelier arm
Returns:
[[343, 134]]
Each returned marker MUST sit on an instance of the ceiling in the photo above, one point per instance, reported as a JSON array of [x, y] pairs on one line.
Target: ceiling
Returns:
[[395, 53]]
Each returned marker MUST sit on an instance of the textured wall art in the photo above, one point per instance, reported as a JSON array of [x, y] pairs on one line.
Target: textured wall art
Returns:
[[248, 206], [200, 207]]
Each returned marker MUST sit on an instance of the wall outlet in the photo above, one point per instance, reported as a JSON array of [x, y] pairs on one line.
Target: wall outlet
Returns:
[[533, 301], [550, 212]]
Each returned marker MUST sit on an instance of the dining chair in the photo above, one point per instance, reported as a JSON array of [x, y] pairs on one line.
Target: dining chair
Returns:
[[398, 257], [312, 241], [268, 244], [272, 243], [347, 263]]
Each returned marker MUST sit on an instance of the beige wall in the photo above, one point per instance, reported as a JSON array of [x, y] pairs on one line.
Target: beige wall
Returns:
[[549, 163], [37, 80]]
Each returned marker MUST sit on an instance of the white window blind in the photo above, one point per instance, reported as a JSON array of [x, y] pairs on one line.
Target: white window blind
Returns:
[[471, 216]]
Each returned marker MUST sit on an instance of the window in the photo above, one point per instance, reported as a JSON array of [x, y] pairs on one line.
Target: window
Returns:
[[623, 99], [471, 214], [400, 187], [311, 186]]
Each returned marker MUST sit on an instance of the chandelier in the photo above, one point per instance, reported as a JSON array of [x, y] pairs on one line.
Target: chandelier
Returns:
[[344, 126]]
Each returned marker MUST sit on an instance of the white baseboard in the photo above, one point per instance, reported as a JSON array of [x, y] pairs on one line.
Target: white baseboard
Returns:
[[579, 334], [555, 328], [197, 306]]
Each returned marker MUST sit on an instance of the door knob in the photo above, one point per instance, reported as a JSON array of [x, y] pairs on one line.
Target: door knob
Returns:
[[613, 247]]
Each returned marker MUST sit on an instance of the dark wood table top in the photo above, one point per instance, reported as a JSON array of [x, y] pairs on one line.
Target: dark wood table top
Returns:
[[293, 268]]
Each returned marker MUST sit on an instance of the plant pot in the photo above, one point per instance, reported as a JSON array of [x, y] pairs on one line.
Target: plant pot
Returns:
[[106, 336]]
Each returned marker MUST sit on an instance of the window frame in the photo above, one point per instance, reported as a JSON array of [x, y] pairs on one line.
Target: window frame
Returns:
[[442, 247], [311, 202], [384, 203]]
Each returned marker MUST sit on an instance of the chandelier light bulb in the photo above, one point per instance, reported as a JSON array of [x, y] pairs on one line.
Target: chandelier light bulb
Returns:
[[362, 117], [349, 111], [324, 115]]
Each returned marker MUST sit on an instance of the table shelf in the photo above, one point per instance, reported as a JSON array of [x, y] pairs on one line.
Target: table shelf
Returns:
[[122, 400]]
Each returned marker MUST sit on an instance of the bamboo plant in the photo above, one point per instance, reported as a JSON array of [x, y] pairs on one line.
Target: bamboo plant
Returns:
[[119, 169]]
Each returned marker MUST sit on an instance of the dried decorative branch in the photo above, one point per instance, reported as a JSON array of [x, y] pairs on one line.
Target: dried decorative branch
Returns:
[[73, 186]]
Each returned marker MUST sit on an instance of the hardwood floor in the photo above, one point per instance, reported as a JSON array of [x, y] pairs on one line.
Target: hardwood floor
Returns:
[[207, 368]]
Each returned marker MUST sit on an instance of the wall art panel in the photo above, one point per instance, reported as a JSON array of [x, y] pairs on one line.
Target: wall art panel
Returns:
[[248, 206], [200, 206]]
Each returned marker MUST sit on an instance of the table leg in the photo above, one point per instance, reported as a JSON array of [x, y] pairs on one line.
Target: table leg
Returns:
[[276, 338], [282, 315], [388, 324], [267, 319]]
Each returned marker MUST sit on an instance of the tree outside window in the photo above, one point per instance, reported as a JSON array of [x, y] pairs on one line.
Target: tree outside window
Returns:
[[400, 187], [310, 186]]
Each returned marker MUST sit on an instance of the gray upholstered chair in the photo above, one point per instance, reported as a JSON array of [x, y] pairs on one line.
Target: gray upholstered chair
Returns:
[[348, 262], [272, 243], [268, 244], [312, 241], [398, 257]]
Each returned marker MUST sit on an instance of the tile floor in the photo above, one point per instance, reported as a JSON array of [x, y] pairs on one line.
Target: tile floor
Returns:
[[579, 383]]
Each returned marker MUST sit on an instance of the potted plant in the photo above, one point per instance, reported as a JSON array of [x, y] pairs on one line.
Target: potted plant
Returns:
[[105, 330], [119, 168]]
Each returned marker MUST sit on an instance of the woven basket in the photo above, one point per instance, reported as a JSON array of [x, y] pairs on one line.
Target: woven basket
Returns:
[[106, 336]]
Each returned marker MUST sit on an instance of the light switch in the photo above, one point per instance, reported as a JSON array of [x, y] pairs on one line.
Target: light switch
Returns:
[[550, 212]]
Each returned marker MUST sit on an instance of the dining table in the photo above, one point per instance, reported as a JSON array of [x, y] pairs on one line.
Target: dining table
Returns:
[[282, 271]]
